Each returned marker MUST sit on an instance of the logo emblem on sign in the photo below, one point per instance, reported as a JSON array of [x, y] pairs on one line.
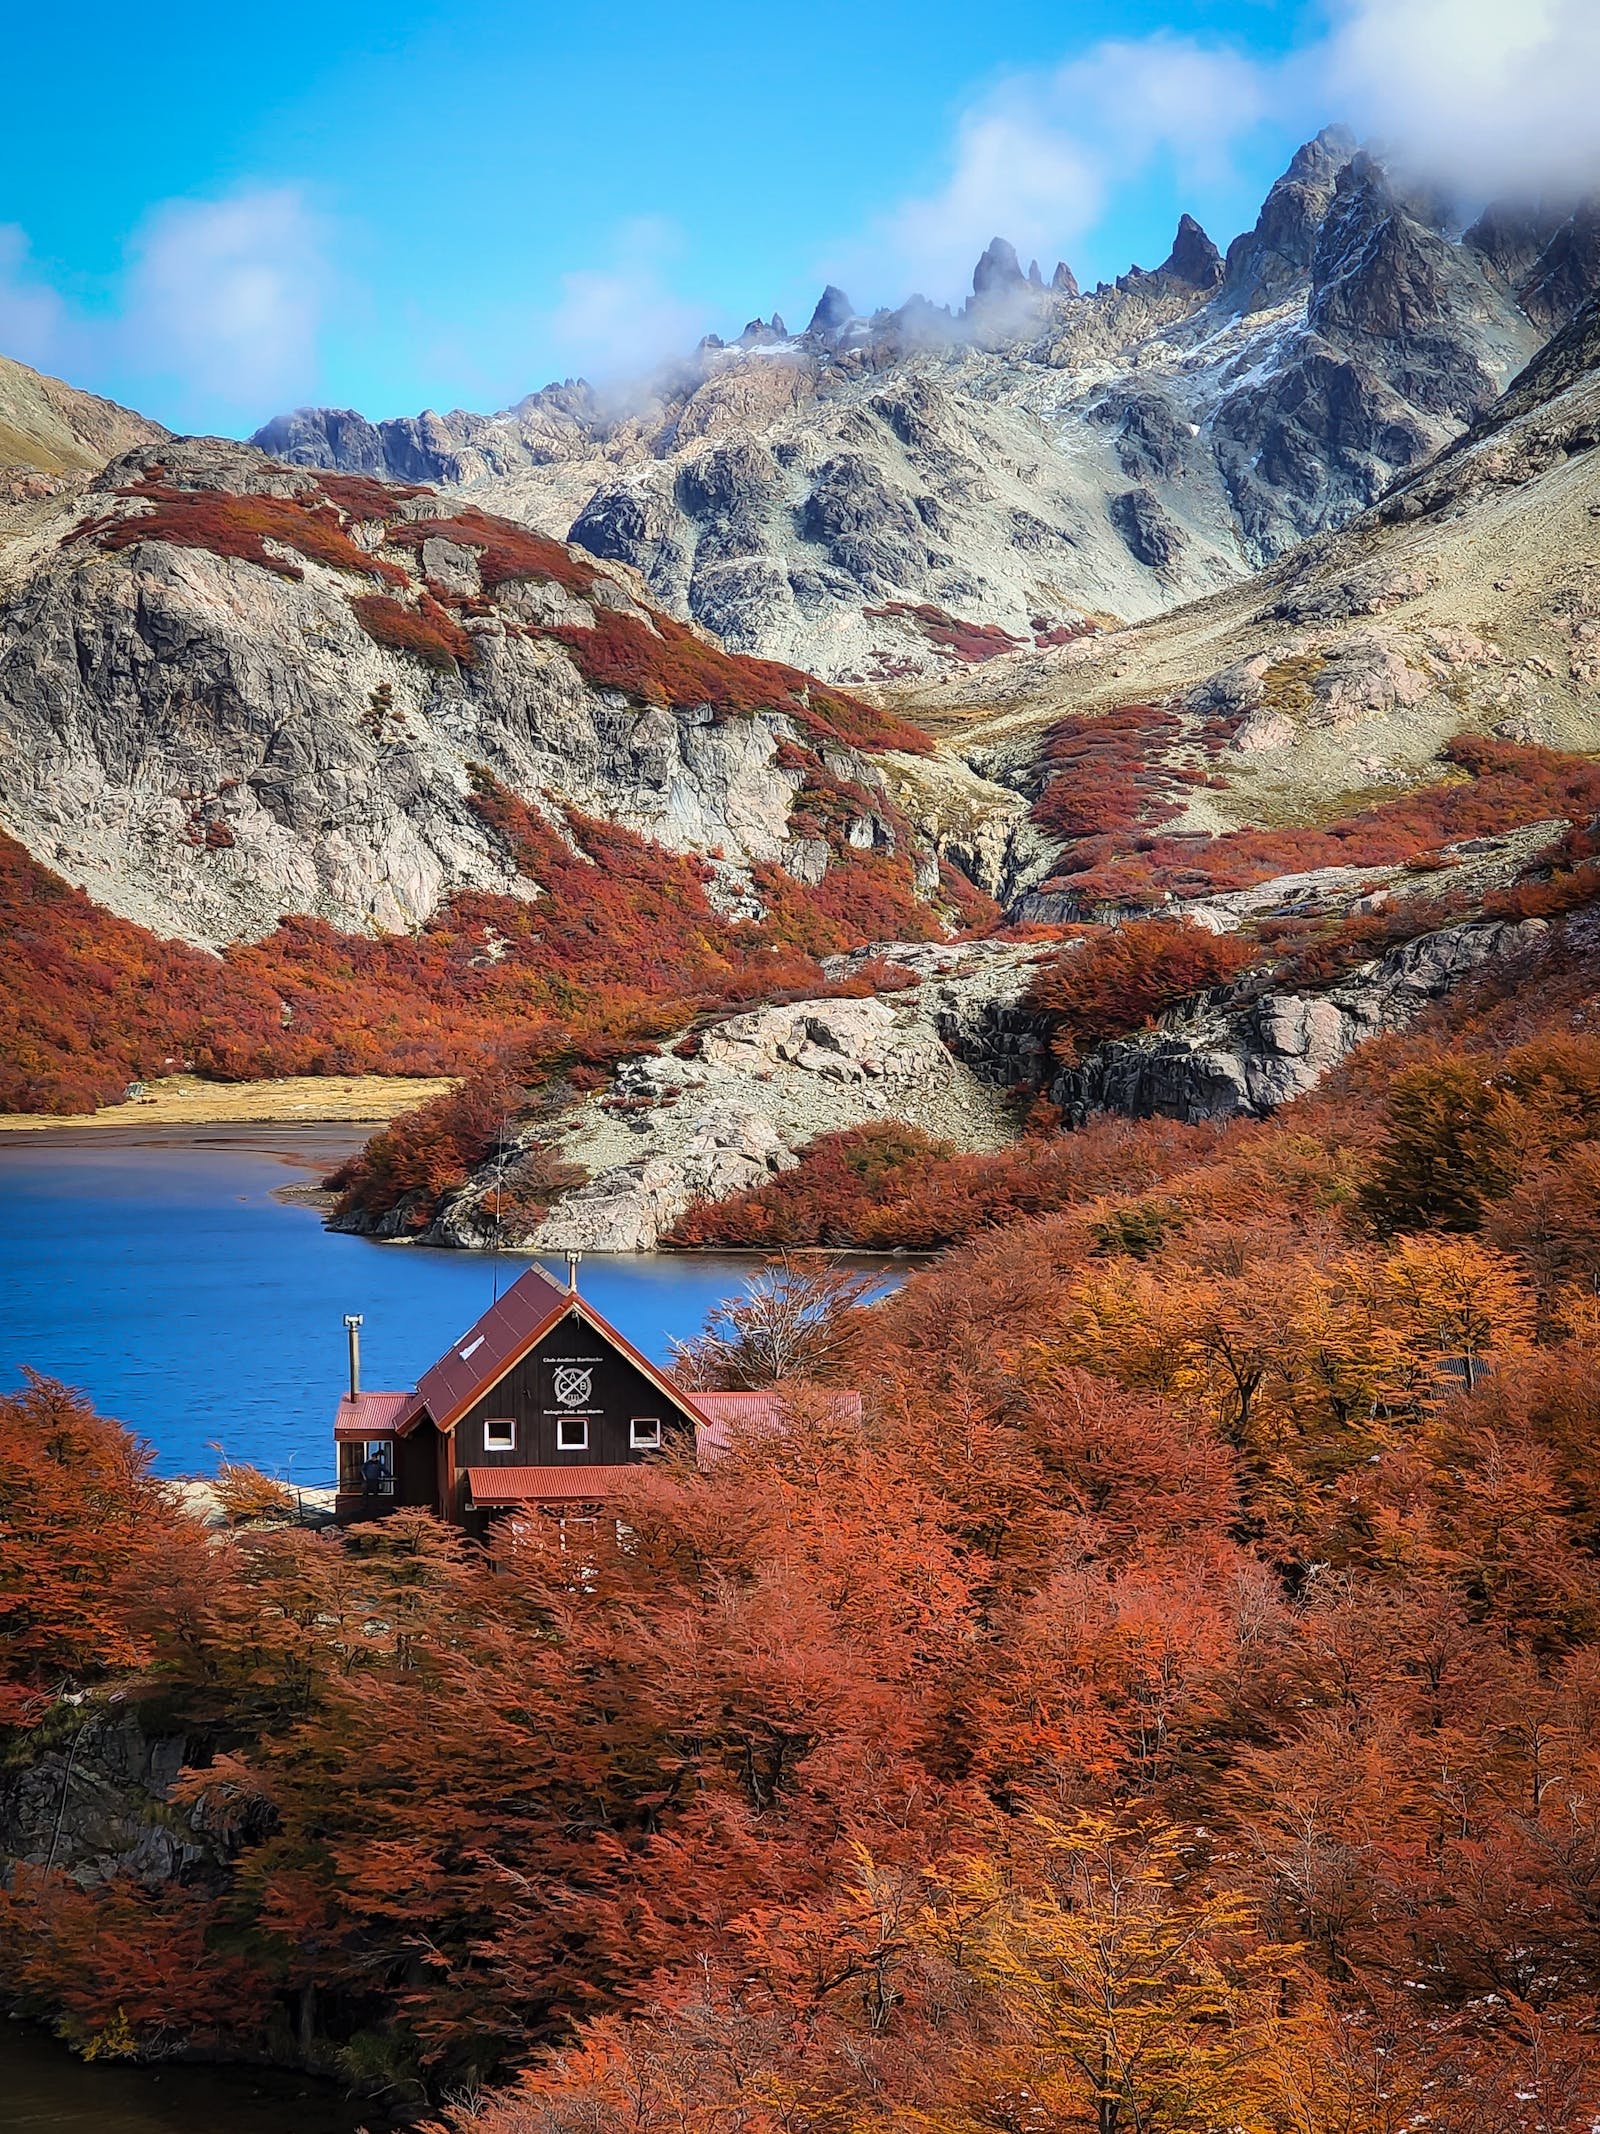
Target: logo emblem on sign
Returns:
[[572, 1385]]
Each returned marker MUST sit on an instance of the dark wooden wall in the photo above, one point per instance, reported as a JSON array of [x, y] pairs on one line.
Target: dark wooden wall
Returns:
[[618, 1391]]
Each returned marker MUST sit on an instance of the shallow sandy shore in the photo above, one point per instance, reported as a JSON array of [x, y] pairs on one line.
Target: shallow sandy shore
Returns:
[[184, 1100]]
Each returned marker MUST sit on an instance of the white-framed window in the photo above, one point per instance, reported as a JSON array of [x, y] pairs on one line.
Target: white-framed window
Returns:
[[572, 1433], [644, 1433], [499, 1433]]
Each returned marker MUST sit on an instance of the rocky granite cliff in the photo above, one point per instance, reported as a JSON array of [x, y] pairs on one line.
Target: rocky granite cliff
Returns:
[[1467, 599], [879, 496], [231, 690]]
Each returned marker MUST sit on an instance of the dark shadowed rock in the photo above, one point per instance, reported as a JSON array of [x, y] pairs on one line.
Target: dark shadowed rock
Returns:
[[1153, 441], [325, 437], [1303, 449], [1064, 281], [1509, 238], [1194, 260], [1385, 283], [1263, 265], [1236, 1053], [1566, 271], [1152, 536], [998, 272], [834, 312]]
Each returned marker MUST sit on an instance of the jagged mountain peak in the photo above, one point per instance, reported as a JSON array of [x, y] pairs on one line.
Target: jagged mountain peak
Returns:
[[998, 272], [834, 311], [1194, 259], [921, 487], [1265, 263]]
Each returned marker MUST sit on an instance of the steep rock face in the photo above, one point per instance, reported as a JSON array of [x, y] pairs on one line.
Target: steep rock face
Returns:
[[804, 495], [212, 729], [1566, 272], [96, 1805], [1235, 1054]]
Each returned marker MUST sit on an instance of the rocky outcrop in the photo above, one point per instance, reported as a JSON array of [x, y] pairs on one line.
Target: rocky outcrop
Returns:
[[92, 1797], [794, 493], [707, 1118], [1241, 1054], [716, 1114]]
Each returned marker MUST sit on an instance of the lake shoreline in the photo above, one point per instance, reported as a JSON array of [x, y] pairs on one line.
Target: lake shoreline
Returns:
[[54, 2088], [290, 1100], [177, 1276]]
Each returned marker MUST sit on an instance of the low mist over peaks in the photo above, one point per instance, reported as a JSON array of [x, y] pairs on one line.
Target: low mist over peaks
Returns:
[[1041, 458]]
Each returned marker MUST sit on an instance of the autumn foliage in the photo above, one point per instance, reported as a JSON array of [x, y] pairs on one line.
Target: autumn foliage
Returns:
[[226, 524], [663, 661], [1172, 1707], [1172, 1704], [622, 945], [427, 631], [1111, 790], [1120, 979], [84, 1534]]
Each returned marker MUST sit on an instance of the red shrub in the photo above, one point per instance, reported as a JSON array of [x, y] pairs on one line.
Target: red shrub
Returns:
[[227, 525], [668, 664], [1120, 978], [428, 632], [622, 948], [1102, 779], [1501, 785], [362, 497], [887, 1186], [967, 642], [507, 552], [425, 1152]]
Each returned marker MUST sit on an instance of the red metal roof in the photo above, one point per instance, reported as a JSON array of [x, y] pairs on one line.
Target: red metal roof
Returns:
[[371, 1414], [545, 1485], [491, 1345], [763, 1408]]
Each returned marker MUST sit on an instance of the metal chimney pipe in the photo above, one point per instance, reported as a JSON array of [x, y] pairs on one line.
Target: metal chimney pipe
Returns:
[[572, 1271], [352, 1322]]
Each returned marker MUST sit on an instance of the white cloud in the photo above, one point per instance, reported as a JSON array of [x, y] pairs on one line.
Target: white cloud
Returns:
[[33, 321], [225, 297], [1013, 176], [616, 321], [1479, 97], [214, 316], [1484, 96], [1037, 158]]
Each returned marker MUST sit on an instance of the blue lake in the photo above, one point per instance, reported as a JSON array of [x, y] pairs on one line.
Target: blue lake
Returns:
[[160, 1272]]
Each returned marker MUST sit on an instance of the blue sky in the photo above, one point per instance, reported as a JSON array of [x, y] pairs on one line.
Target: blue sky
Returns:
[[212, 213]]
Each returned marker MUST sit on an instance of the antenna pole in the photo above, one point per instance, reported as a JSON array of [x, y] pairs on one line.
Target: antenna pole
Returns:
[[572, 1271]]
